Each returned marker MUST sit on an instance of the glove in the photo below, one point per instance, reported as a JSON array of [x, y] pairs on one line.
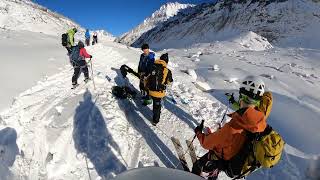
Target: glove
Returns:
[[90, 56], [230, 98], [198, 129]]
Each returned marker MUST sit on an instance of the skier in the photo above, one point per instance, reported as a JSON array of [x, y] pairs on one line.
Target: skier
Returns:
[[252, 111], [78, 56], [156, 82], [87, 37], [94, 38], [70, 43], [147, 59]]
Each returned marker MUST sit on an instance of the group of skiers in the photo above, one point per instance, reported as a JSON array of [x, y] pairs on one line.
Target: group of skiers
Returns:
[[241, 146]]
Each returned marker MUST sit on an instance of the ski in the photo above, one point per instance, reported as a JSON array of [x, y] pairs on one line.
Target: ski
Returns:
[[179, 150], [192, 151]]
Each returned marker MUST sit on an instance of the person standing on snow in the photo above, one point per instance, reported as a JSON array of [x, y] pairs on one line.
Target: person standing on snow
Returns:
[[94, 38], [147, 59], [70, 44], [87, 37], [156, 82], [78, 56], [251, 116]]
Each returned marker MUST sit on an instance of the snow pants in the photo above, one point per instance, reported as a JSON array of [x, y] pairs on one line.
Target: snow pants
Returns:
[[78, 67], [88, 42], [156, 109]]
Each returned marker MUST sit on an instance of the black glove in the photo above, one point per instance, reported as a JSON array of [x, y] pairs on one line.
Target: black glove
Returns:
[[230, 98], [90, 56], [198, 128]]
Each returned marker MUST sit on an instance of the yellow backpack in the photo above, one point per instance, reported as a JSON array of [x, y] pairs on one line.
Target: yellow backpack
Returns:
[[268, 148], [265, 151]]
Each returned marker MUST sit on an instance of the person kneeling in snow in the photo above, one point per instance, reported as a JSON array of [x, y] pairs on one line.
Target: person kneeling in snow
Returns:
[[156, 83], [252, 111], [79, 64]]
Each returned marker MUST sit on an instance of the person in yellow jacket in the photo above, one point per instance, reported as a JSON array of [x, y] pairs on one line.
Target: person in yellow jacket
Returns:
[[71, 34], [251, 115], [156, 82]]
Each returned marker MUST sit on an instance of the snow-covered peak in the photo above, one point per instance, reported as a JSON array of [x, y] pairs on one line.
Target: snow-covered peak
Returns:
[[165, 12], [168, 10]]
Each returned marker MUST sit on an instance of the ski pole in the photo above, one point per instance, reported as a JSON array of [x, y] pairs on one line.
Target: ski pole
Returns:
[[94, 85], [194, 137], [224, 115]]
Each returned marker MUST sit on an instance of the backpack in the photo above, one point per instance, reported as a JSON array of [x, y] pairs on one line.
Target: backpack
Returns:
[[260, 150], [64, 39], [123, 92], [157, 78], [75, 54]]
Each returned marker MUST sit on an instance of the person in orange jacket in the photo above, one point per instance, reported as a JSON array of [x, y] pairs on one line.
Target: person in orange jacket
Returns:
[[252, 110]]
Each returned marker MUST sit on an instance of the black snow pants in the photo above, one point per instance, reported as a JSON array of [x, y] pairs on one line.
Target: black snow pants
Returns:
[[78, 67], [156, 109]]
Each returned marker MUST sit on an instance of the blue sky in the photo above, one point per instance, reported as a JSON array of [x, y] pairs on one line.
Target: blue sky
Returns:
[[115, 16]]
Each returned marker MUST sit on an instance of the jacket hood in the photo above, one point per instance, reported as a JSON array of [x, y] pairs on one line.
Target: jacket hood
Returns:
[[162, 62], [251, 120]]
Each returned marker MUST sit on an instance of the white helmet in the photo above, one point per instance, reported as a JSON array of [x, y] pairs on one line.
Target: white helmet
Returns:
[[253, 87]]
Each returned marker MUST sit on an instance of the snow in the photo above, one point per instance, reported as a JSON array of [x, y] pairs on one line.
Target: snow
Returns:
[[52, 132]]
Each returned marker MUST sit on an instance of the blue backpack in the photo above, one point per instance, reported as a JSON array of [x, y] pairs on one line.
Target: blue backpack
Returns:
[[75, 54]]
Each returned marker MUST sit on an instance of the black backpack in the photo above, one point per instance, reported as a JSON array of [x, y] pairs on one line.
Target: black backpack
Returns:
[[64, 39], [123, 92], [156, 78], [75, 54]]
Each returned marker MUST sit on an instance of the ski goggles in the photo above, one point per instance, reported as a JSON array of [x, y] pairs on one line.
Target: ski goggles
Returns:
[[248, 100]]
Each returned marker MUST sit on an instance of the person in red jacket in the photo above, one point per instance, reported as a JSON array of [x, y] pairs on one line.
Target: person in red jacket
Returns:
[[78, 57]]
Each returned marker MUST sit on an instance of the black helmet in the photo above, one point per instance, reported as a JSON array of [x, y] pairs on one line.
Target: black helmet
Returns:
[[165, 57], [80, 44], [75, 29], [145, 46]]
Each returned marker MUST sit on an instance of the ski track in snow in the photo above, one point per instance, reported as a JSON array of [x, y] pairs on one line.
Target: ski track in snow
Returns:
[[60, 130]]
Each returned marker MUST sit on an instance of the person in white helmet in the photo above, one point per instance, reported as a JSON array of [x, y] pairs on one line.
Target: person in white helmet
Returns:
[[252, 111]]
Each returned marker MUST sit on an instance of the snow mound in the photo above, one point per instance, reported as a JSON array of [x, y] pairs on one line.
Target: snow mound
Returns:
[[253, 42]]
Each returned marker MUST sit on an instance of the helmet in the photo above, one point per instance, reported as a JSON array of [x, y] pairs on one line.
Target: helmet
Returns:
[[253, 87], [80, 44], [75, 29]]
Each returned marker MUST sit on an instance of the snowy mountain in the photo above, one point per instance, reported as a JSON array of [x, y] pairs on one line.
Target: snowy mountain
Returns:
[[284, 22], [156, 19], [26, 15]]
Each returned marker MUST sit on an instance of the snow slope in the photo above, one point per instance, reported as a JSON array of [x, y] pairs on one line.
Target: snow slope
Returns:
[[88, 134], [26, 15], [156, 19], [288, 23], [27, 57]]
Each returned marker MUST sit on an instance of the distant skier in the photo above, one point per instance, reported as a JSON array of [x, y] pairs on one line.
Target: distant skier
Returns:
[[70, 39], [147, 59], [87, 37], [94, 38], [78, 56], [156, 83], [229, 147]]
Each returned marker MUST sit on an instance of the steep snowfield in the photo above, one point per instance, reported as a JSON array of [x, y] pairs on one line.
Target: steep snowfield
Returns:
[[156, 19], [27, 57], [53, 132], [288, 23], [26, 15]]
